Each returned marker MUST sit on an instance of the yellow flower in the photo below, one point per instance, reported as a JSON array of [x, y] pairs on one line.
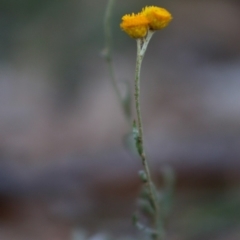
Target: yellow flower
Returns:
[[158, 17], [135, 25]]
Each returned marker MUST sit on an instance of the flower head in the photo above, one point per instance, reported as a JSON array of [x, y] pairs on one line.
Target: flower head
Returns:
[[158, 17], [135, 25]]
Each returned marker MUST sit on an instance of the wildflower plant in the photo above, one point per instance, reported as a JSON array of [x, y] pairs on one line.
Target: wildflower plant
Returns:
[[141, 27]]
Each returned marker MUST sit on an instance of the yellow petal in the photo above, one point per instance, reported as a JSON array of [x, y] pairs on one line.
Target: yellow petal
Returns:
[[158, 17], [135, 25]]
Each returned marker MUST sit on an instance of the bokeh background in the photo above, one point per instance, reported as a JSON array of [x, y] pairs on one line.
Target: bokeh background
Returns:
[[65, 172]]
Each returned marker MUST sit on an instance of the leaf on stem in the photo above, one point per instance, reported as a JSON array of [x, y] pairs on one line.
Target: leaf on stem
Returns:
[[137, 138], [148, 231], [143, 176]]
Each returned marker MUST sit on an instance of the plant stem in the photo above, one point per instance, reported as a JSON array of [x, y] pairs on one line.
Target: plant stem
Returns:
[[108, 55], [108, 42], [141, 48]]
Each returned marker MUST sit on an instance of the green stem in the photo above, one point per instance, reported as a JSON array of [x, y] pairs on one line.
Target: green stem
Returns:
[[108, 43], [108, 54], [141, 49]]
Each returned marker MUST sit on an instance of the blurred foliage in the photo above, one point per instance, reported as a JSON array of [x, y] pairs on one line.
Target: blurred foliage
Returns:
[[214, 215], [25, 9], [15, 14], [46, 29]]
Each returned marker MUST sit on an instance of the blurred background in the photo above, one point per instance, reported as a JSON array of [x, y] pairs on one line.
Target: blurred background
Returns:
[[64, 168]]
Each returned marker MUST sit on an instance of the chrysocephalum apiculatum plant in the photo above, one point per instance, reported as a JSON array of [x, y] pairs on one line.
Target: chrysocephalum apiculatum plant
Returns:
[[141, 26]]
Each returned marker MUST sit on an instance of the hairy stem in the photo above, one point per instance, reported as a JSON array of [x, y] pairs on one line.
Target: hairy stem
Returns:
[[141, 48]]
